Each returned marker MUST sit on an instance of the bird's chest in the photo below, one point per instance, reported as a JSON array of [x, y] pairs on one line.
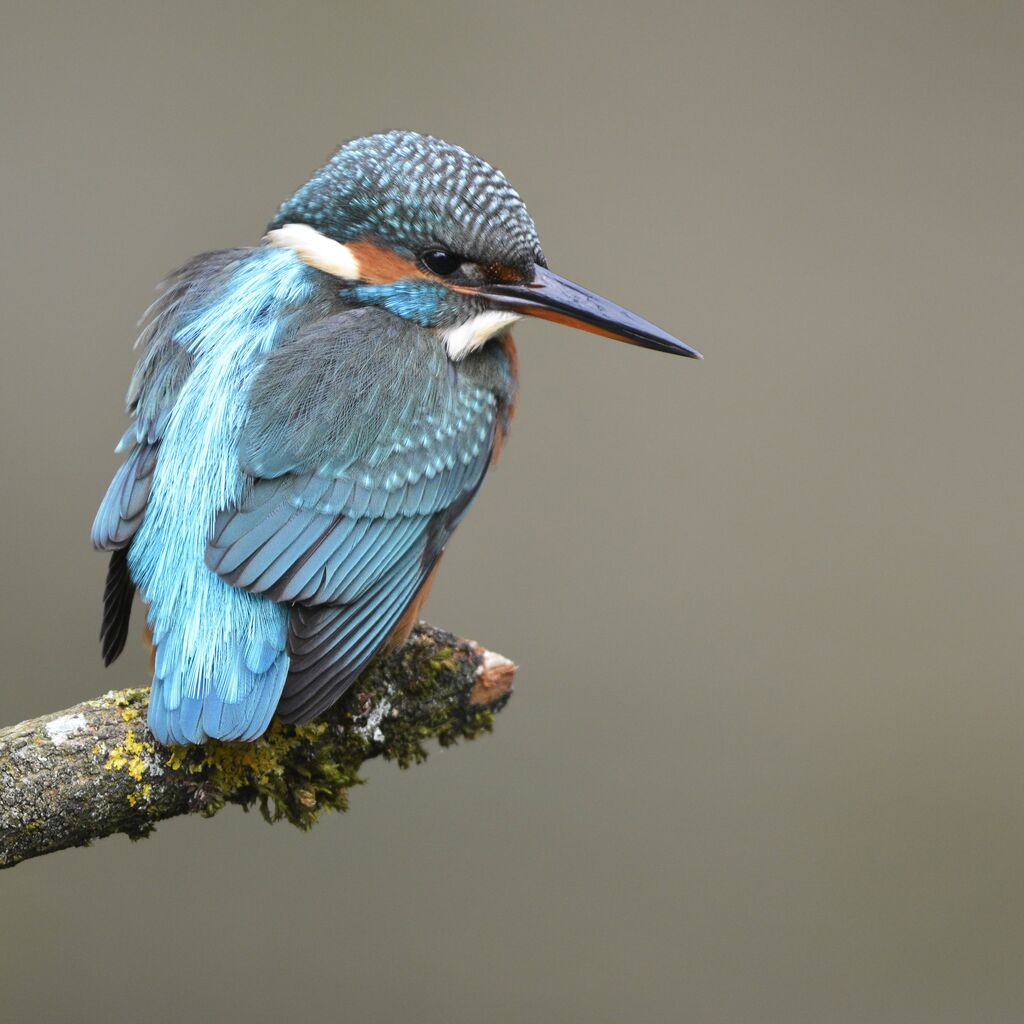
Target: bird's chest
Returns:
[[495, 370]]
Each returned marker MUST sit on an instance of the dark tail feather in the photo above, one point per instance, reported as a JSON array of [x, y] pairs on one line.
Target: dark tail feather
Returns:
[[117, 606]]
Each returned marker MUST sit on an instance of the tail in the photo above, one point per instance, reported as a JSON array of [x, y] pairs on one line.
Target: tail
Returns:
[[219, 670]]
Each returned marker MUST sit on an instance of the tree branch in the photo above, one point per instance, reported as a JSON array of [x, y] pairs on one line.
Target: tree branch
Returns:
[[95, 769]]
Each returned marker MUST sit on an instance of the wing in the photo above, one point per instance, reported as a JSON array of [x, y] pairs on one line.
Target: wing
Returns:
[[162, 370], [365, 449]]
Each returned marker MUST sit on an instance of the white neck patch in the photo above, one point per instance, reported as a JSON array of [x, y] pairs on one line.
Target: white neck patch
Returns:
[[468, 337], [316, 250]]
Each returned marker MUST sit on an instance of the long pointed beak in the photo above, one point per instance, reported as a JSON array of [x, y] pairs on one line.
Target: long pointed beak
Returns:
[[551, 297]]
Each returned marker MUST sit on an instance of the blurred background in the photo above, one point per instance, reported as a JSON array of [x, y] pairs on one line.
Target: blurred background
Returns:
[[765, 760]]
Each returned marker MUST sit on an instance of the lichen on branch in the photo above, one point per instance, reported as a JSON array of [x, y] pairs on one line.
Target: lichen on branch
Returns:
[[95, 769]]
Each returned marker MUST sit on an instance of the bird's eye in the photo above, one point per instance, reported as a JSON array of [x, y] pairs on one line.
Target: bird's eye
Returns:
[[439, 262]]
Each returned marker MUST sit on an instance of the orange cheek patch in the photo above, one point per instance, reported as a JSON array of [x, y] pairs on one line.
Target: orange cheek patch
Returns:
[[378, 265]]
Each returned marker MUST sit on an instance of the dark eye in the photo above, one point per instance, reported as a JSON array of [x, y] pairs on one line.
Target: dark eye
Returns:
[[439, 262]]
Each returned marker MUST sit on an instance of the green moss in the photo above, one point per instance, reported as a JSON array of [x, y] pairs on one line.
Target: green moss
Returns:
[[292, 772], [431, 670], [296, 773]]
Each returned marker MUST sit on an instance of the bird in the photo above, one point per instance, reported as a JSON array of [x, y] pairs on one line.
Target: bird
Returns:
[[311, 419]]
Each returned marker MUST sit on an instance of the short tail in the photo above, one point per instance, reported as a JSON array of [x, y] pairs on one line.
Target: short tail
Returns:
[[228, 690]]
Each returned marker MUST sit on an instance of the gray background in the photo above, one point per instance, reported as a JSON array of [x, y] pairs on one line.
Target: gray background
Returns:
[[765, 758]]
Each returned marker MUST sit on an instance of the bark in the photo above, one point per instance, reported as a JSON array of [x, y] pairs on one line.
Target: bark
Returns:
[[95, 769]]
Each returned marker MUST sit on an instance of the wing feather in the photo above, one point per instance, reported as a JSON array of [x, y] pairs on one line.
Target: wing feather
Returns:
[[365, 449]]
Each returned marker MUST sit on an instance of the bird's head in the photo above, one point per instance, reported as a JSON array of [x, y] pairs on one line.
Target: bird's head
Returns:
[[437, 236]]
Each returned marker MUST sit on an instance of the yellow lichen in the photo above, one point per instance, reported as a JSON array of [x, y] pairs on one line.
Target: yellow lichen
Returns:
[[145, 794], [133, 697], [243, 764], [297, 772], [130, 756]]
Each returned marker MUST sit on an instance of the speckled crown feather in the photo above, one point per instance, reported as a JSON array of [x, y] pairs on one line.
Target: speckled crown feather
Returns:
[[413, 191]]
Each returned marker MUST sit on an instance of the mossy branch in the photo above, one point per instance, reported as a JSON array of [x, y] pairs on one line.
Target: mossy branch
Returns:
[[95, 769]]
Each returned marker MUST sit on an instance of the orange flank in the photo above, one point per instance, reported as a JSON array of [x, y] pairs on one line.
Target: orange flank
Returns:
[[411, 615], [500, 432]]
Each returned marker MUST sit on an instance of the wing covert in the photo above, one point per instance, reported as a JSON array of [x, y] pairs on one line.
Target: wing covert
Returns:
[[365, 450]]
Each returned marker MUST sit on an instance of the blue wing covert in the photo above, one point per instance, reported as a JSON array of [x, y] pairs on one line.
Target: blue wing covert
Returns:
[[366, 449]]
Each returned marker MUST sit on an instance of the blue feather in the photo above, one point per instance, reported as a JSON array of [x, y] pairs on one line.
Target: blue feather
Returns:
[[308, 478], [410, 299], [220, 662]]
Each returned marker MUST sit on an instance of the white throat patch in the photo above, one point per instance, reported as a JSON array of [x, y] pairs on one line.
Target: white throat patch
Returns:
[[468, 337], [316, 250]]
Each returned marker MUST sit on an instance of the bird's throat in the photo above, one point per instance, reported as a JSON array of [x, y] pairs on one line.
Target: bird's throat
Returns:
[[460, 341]]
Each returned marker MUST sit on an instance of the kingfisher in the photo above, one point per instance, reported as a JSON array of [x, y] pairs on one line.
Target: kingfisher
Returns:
[[311, 419]]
